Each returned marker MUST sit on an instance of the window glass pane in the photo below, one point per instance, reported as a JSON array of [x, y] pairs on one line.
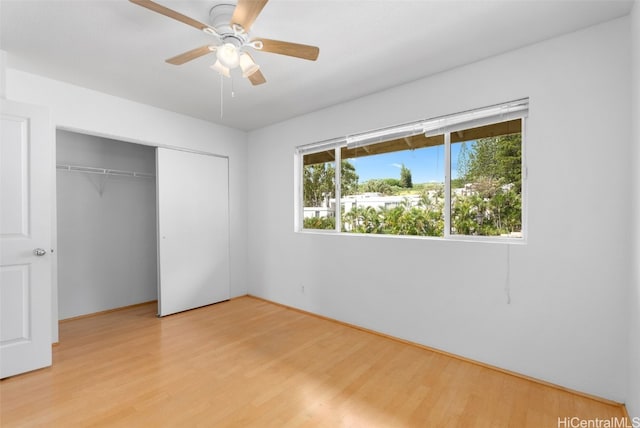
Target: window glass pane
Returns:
[[319, 192], [486, 185], [394, 187]]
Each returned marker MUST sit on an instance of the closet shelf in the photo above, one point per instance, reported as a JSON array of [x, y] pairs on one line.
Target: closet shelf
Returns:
[[103, 171]]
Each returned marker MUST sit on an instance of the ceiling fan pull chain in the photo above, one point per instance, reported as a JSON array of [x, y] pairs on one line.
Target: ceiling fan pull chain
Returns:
[[221, 99]]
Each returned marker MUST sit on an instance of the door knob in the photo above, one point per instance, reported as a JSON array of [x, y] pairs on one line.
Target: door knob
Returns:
[[39, 252]]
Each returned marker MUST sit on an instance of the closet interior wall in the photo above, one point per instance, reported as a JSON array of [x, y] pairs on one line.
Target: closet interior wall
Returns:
[[107, 250]]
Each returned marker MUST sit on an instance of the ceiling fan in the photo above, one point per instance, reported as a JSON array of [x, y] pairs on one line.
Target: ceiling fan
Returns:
[[230, 24]]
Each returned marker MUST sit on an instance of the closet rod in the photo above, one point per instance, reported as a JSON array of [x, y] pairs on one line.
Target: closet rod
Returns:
[[103, 171]]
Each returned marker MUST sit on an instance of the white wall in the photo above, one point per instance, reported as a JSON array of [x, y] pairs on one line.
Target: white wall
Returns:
[[633, 398], [106, 226], [3, 67], [567, 321], [83, 110]]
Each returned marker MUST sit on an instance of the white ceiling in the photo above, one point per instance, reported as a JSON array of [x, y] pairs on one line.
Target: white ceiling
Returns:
[[366, 46]]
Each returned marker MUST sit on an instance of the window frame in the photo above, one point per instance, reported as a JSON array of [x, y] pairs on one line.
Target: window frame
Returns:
[[442, 125]]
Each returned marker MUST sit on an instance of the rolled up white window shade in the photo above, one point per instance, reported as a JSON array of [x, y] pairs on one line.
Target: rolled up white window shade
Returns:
[[322, 146], [430, 127], [475, 118], [386, 134]]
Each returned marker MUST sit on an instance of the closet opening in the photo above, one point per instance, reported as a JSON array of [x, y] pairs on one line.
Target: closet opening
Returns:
[[106, 224]]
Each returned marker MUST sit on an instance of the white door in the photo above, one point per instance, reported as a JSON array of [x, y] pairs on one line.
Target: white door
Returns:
[[26, 171], [193, 230]]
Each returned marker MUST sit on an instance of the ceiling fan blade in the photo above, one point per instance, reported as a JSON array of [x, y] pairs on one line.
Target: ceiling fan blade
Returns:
[[246, 12], [191, 55], [290, 49], [170, 13], [257, 78]]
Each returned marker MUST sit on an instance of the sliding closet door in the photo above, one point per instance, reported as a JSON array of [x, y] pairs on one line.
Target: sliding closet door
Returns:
[[193, 230]]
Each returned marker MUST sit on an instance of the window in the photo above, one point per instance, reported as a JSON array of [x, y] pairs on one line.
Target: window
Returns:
[[319, 184], [486, 187], [454, 176]]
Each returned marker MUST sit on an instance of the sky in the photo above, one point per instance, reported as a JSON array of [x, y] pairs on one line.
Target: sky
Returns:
[[426, 165]]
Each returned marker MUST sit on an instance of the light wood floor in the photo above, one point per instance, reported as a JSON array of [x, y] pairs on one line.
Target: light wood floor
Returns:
[[251, 363]]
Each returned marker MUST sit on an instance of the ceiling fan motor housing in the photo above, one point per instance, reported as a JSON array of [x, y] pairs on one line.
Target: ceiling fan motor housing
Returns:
[[220, 18]]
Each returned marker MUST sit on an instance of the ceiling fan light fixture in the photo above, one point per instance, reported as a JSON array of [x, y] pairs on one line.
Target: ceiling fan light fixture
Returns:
[[221, 69], [228, 55], [247, 65]]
